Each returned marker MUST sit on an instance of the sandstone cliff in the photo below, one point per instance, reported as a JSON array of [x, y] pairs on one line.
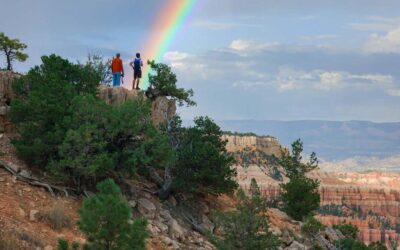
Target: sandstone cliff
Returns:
[[266, 144]]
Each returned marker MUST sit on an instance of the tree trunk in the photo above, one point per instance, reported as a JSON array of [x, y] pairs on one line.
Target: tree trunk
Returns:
[[164, 184], [8, 56]]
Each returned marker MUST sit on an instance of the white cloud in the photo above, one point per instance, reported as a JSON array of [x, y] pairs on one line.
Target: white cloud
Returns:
[[289, 80], [386, 36], [387, 43], [247, 45], [330, 80]]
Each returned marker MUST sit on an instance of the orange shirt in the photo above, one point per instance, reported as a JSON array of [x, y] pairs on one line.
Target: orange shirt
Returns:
[[116, 65]]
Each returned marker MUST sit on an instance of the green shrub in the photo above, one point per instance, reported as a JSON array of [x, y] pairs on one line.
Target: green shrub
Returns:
[[377, 246], [348, 230], [316, 246], [203, 163], [42, 101], [312, 226], [300, 197], [103, 138], [350, 244], [247, 227], [104, 218], [63, 245]]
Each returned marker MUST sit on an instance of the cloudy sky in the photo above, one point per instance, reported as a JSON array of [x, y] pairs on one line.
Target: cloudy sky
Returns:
[[256, 59]]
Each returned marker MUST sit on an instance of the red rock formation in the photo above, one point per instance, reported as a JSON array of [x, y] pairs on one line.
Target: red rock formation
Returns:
[[371, 201]]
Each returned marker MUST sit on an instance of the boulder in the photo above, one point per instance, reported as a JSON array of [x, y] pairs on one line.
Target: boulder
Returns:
[[146, 208], [132, 203], [167, 241], [287, 239], [21, 212], [206, 223], [176, 231], [160, 225], [332, 234], [165, 214], [32, 215]]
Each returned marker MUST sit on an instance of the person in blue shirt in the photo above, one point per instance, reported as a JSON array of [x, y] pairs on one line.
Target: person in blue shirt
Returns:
[[137, 65]]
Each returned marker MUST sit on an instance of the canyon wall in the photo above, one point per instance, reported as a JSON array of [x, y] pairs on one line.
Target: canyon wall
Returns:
[[371, 200], [266, 144]]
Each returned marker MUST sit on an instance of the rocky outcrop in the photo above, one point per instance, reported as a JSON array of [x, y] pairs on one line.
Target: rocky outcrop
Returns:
[[162, 108], [266, 144], [378, 201]]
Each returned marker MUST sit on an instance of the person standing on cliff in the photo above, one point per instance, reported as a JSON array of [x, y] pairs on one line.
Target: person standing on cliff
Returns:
[[137, 65], [117, 69]]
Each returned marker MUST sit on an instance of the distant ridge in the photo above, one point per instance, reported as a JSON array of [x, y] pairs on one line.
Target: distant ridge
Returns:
[[331, 140]]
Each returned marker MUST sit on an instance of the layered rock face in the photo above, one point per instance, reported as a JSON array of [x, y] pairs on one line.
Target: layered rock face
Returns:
[[266, 144], [371, 201]]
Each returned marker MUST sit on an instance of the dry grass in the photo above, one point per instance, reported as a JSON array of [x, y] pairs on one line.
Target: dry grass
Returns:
[[8, 242], [55, 217], [31, 239]]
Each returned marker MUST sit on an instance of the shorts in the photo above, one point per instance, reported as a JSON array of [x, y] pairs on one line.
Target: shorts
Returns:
[[137, 74]]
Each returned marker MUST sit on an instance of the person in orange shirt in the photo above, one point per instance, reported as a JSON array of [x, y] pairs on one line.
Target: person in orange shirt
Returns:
[[117, 69]]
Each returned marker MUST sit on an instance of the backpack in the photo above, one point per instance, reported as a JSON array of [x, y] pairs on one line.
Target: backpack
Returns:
[[137, 64]]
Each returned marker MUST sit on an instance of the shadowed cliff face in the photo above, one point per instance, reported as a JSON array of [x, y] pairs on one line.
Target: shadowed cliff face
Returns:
[[6, 78], [369, 200]]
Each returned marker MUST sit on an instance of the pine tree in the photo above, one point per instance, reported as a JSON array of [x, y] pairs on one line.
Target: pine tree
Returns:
[[106, 217], [12, 49], [300, 195], [247, 227]]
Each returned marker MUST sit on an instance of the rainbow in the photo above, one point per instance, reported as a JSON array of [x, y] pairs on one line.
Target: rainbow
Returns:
[[170, 19]]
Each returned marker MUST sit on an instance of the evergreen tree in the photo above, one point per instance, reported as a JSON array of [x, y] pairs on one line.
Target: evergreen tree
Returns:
[[247, 227], [300, 195], [164, 81], [42, 103], [12, 49], [105, 219], [203, 163]]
